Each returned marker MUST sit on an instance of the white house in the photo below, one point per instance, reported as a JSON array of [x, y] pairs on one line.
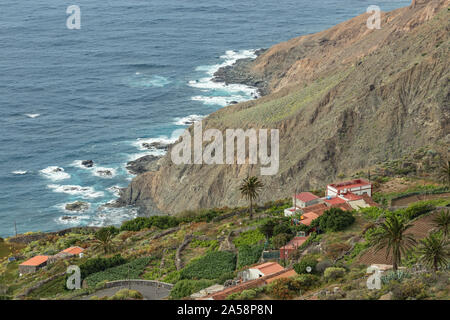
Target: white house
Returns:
[[305, 199], [356, 186]]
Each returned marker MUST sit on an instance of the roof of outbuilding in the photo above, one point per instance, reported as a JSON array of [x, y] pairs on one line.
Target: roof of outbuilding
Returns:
[[35, 261], [306, 196]]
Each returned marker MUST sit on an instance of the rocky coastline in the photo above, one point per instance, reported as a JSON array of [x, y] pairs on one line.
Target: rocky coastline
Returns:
[[240, 73]]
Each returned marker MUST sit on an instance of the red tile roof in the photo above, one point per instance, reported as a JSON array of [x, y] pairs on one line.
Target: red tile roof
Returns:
[[317, 208], [73, 250], [295, 243], [350, 184], [334, 201], [343, 206], [351, 196], [308, 218], [306, 196], [269, 268], [286, 274], [35, 261], [222, 295]]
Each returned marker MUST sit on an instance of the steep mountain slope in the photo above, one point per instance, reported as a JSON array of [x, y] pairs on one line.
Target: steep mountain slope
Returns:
[[343, 99]]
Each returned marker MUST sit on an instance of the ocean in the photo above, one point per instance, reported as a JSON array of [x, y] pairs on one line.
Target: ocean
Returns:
[[137, 71]]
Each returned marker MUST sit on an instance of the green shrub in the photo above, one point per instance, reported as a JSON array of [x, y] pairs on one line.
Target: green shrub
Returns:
[[267, 228], [126, 294], [210, 266], [94, 265], [335, 219], [161, 222], [249, 238], [332, 273], [282, 228], [418, 209], [306, 281], [322, 265], [280, 240], [211, 244], [372, 213], [172, 277], [226, 276], [185, 288], [249, 255], [306, 262], [398, 276], [131, 270], [409, 289]]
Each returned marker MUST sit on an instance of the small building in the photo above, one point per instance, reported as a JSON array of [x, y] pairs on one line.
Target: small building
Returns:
[[291, 247], [356, 186], [74, 251], [305, 199], [261, 270], [222, 295], [32, 265]]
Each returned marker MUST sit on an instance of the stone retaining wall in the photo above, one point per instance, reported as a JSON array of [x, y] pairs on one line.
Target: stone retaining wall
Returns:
[[149, 283]]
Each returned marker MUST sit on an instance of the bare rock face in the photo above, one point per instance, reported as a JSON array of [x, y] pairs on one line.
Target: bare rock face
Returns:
[[143, 164], [342, 99]]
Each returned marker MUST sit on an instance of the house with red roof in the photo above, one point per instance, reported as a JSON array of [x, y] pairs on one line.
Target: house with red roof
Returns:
[[223, 294], [355, 186], [32, 265], [304, 199], [261, 270]]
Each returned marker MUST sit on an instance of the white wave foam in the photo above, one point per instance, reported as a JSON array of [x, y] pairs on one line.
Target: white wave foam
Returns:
[[219, 93], [103, 172], [55, 173], [32, 115], [221, 101], [113, 216], [115, 190], [74, 190], [139, 80], [78, 164], [19, 172], [71, 219], [188, 120]]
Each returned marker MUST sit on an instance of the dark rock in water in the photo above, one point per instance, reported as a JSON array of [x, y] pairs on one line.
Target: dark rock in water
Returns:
[[233, 102], [67, 218], [105, 173], [76, 206], [143, 164], [155, 145], [87, 163]]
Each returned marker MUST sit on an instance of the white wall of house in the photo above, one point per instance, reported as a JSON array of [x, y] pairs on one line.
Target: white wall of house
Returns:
[[366, 189], [301, 204], [251, 274]]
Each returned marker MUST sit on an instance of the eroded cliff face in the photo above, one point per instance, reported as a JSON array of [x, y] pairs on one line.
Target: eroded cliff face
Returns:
[[343, 99]]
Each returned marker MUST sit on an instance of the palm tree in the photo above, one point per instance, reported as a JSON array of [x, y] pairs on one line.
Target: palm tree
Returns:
[[434, 251], [444, 172], [250, 188], [103, 239], [442, 222], [392, 237]]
